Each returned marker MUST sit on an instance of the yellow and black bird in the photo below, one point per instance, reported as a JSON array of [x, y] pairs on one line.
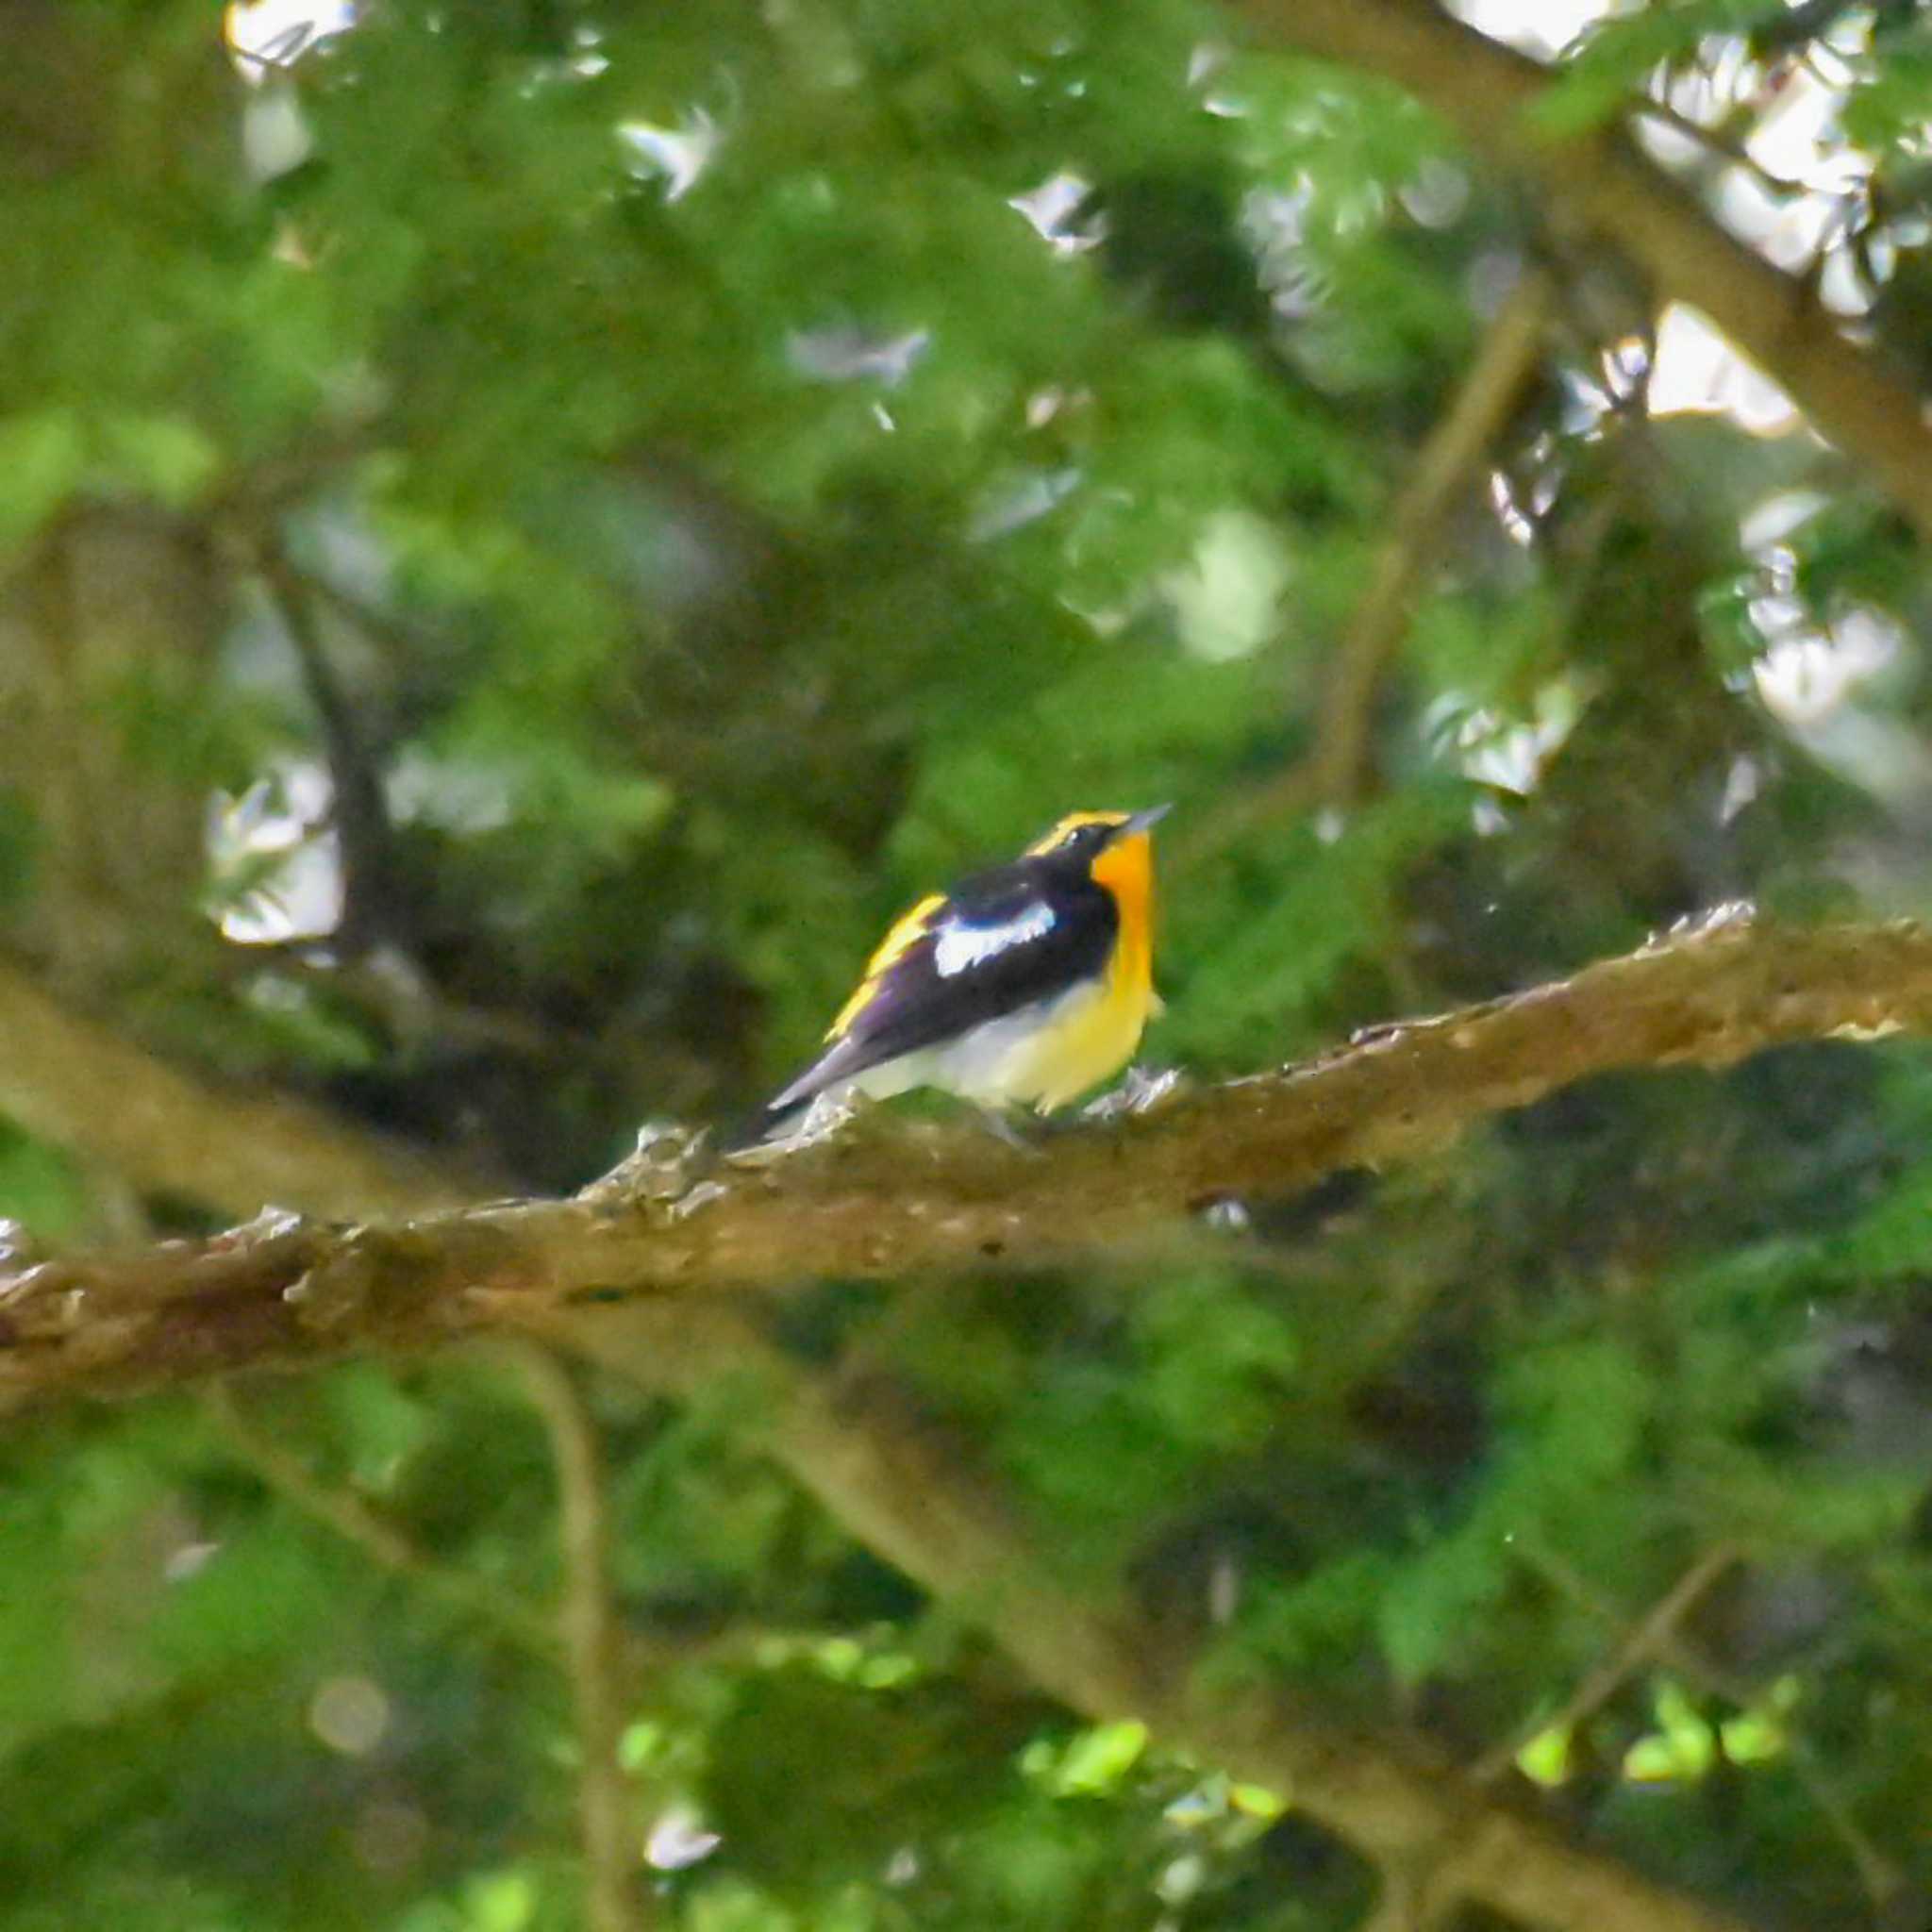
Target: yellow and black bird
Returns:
[[1025, 984]]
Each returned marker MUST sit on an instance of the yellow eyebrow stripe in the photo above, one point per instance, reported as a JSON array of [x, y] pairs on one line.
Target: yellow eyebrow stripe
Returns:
[[905, 931], [1073, 820]]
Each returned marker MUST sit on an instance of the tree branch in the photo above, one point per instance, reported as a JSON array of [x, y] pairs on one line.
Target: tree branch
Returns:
[[912, 1491], [373, 901], [885, 1199], [77, 1083], [357, 1521], [1599, 183], [643, 1655], [1880, 1877], [1337, 769], [1640, 1647], [1506, 359], [612, 1868]]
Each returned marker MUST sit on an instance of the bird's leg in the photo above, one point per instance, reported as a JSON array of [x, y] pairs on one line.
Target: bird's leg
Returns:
[[1001, 1125]]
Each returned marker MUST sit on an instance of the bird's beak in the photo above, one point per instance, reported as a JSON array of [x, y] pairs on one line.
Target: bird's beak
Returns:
[[1142, 821]]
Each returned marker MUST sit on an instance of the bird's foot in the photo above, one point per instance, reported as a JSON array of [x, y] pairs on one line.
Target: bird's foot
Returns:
[[1002, 1126]]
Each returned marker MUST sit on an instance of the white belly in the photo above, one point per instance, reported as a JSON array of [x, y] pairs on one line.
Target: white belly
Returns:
[[1042, 1056]]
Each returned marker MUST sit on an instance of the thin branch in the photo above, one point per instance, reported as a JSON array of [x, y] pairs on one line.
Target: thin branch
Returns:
[[644, 1656], [372, 901], [74, 1082], [1876, 1872], [1717, 146], [884, 1199], [614, 1895], [1598, 184], [1505, 360], [399, 637], [1641, 1645], [353, 1519], [910, 1489], [1335, 770]]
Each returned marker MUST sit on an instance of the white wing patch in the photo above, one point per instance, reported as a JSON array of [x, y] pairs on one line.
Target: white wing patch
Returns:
[[960, 947]]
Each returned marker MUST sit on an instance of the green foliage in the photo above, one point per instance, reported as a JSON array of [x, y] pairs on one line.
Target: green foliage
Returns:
[[1894, 96], [1299, 917], [46, 456], [40, 1186]]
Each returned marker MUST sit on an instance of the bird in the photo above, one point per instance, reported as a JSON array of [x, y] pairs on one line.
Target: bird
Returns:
[[1023, 985]]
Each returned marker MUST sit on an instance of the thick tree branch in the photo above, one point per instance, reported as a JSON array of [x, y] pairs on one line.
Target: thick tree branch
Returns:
[[1600, 184], [910, 1489], [74, 1082], [883, 1200]]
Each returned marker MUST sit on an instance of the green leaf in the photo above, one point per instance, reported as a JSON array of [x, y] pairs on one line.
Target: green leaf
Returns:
[[1098, 1759], [167, 458], [39, 1186], [1431, 1606], [42, 461]]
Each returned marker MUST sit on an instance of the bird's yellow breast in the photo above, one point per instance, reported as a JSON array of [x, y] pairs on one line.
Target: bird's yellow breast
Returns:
[[1089, 1036]]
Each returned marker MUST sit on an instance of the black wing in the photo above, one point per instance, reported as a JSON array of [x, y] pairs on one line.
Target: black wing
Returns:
[[1001, 941]]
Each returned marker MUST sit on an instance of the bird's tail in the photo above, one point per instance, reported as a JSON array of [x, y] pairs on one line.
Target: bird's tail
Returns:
[[787, 1107]]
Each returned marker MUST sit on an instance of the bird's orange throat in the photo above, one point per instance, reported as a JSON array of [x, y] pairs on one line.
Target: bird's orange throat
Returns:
[[1127, 870]]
